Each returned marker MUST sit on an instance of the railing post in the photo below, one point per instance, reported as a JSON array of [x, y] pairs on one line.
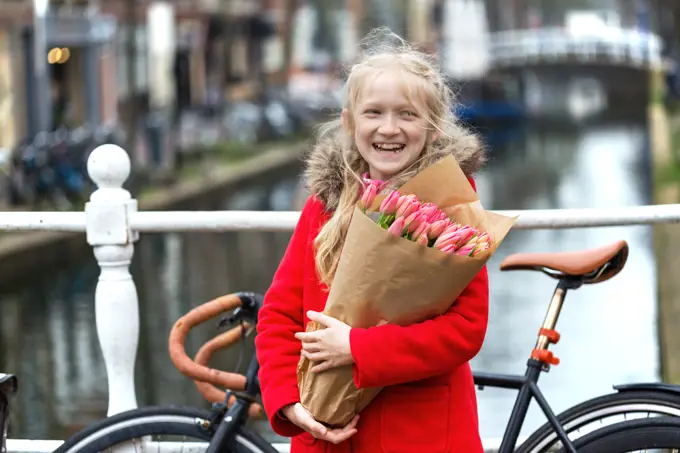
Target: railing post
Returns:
[[116, 305]]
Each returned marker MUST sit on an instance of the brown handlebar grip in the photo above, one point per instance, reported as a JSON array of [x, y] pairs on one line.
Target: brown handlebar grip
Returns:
[[178, 354], [203, 356]]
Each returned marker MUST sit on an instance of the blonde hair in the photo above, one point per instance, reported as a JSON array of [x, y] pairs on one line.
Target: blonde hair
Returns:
[[382, 50]]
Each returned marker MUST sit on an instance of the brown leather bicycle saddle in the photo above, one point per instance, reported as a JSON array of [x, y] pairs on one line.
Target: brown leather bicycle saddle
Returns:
[[595, 265]]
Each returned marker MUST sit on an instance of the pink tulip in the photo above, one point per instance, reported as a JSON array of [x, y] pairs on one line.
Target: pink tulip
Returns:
[[407, 205], [422, 229], [458, 237], [441, 215], [405, 199], [483, 237], [478, 238], [453, 241], [422, 239], [479, 248], [412, 217], [389, 204], [467, 232], [414, 221], [448, 249], [432, 212], [437, 228], [397, 227], [466, 250], [472, 241], [449, 236], [452, 227], [368, 197]]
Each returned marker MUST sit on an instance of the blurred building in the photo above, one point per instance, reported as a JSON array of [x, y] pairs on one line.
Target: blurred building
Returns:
[[12, 72], [84, 48], [524, 14], [95, 61], [59, 75]]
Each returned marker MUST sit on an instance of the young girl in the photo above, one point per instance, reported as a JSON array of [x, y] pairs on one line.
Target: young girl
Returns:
[[395, 122]]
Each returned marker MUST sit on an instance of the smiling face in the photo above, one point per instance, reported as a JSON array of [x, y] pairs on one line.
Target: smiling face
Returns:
[[389, 121]]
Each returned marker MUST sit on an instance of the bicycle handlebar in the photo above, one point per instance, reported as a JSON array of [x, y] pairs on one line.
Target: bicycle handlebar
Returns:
[[204, 377], [205, 353]]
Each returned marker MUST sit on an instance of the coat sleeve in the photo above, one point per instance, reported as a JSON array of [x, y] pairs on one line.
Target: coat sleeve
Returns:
[[389, 354], [280, 317]]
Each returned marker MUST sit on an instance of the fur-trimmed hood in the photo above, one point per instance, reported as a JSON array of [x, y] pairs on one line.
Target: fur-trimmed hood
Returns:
[[323, 164]]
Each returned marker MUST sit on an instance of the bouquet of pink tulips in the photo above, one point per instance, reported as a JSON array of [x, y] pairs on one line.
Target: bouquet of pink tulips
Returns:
[[424, 223], [436, 236]]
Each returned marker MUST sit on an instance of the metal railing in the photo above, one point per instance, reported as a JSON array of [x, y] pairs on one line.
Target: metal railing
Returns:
[[618, 46], [112, 224]]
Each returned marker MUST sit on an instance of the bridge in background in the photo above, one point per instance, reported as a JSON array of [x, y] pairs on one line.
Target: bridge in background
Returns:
[[588, 62], [557, 71], [617, 47]]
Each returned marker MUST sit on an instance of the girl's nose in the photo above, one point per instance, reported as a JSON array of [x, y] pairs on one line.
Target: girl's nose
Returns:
[[388, 127]]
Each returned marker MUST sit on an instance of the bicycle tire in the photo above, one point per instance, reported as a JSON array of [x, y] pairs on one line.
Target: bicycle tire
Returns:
[[632, 435], [596, 409], [157, 420]]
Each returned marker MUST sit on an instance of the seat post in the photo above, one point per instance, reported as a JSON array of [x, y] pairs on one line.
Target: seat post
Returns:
[[547, 334], [551, 315]]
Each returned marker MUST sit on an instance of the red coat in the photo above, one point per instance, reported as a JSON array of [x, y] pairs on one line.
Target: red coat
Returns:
[[429, 404]]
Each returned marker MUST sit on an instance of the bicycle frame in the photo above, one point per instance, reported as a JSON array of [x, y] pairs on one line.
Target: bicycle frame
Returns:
[[528, 389]]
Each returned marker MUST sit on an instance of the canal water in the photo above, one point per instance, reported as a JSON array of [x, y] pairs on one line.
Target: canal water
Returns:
[[47, 323]]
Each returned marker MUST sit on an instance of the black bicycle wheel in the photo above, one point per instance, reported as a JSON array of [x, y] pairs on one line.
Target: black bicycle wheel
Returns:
[[158, 424], [658, 433], [615, 407]]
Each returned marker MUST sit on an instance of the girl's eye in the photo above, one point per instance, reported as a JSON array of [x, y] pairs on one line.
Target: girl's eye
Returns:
[[372, 112], [408, 113]]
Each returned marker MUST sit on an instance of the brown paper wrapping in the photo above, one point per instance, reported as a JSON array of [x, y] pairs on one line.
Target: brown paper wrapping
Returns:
[[381, 277]]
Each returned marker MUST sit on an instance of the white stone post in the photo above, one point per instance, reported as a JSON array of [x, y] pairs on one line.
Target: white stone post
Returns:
[[116, 306]]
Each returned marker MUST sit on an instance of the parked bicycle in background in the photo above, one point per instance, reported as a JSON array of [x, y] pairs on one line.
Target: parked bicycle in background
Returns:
[[51, 168]]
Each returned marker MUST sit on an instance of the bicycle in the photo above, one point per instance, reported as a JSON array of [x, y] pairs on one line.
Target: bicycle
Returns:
[[572, 270], [223, 428]]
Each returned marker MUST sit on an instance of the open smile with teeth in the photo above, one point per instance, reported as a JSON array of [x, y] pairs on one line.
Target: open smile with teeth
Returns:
[[389, 147]]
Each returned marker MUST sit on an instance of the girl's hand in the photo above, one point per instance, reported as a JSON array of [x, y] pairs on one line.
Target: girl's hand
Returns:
[[330, 346], [301, 417]]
